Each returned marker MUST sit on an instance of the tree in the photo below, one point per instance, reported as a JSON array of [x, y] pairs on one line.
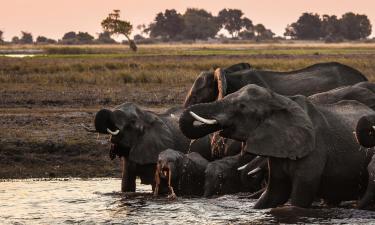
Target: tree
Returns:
[[84, 38], [308, 26], [355, 26], [15, 40], [69, 38], [232, 21], [44, 40], [114, 25], [330, 26], [259, 30], [167, 25], [105, 38], [1, 37], [26, 38], [290, 31], [199, 24]]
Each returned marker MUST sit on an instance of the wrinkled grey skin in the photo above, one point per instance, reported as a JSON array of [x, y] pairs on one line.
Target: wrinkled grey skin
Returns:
[[187, 171], [223, 177], [317, 78], [311, 149], [363, 92], [143, 135], [370, 191]]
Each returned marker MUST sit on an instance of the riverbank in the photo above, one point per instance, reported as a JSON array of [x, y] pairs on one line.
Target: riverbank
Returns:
[[44, 99]]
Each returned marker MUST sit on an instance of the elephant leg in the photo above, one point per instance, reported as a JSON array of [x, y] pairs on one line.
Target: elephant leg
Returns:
[[304, 191], [277, 193], [128, 176], [278, 188], [370, 190]]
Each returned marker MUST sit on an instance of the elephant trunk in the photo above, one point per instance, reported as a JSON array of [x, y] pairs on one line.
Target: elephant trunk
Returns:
[[197, 120]]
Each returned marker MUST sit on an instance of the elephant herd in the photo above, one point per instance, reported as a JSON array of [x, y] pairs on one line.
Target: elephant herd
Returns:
[[294, 136]]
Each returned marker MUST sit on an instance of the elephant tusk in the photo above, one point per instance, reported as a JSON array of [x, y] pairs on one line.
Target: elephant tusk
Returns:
[[254, 171], [355, 136], [373, 127], [242, 167], [113, 132], [203, 120]]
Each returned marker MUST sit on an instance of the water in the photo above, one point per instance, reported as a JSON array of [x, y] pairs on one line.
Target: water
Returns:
[[96, 201], [18, 55]]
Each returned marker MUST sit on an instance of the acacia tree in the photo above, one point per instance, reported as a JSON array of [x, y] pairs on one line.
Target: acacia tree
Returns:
[[114, 25]]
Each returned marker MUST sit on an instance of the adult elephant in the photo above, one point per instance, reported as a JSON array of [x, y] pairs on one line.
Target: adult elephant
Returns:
[[311, 150], [138, 136], [320, 77]]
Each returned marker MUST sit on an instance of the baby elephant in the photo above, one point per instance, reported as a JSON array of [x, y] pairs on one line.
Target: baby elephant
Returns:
[[222, 176], [182, 174]]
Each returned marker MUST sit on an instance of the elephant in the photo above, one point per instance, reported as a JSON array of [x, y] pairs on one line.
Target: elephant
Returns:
[[254, 175], [222, 176], [210, 86], [310, 147], [363, 92], [138, 136], [182, 173]]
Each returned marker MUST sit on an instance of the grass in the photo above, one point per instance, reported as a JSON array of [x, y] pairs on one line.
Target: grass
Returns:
[[43, 99]]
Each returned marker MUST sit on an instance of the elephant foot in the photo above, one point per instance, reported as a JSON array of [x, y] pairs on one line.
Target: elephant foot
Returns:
[[172, 195]]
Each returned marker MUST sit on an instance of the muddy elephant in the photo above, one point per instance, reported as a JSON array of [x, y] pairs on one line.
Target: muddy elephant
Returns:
[[320, 77], [138, 136], [182, 174], [310, 147], [223, 177]]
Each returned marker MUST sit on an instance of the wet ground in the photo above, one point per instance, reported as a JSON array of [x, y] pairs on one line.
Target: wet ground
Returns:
[[96, 201]]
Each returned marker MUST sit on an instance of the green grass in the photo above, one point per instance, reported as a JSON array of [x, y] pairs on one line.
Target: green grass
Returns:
[[173, 64]]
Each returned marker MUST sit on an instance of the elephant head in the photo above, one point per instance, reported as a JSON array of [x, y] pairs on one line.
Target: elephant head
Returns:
[[210, 86], [365, 131], [270, 124], [222, 177], [136, 134]]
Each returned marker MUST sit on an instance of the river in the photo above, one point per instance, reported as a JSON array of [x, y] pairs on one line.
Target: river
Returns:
[[97, 201]]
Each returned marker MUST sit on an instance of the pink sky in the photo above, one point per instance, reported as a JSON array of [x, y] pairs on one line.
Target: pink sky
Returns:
[[54, 18]]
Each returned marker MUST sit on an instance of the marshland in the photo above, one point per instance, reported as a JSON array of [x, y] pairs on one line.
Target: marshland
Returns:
[[45, 98]]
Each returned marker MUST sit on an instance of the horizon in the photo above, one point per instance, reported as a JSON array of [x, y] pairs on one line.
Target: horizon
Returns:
[[41, 17]]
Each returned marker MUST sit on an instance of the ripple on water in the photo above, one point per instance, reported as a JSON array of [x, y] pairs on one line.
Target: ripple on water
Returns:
[[97, 201]]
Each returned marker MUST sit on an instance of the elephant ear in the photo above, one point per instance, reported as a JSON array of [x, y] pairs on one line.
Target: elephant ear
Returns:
[[365, 132], [237, 67], [156, 137], [103, 120], [286, 133], [219, 76]]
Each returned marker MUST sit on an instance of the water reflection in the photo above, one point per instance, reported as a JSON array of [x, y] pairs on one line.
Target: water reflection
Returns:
[[96, 201], [18, 55]]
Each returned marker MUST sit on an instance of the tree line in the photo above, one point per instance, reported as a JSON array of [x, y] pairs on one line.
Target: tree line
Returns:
[[199, 24], [311, 26]]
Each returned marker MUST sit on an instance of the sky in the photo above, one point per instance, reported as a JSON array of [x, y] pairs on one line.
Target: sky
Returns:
[[53, 18]]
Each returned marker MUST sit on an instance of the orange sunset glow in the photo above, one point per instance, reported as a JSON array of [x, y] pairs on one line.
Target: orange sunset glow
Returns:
[[54, 18]]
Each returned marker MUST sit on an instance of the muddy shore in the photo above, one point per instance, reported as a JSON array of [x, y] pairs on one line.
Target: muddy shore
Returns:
[[44, 100]]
